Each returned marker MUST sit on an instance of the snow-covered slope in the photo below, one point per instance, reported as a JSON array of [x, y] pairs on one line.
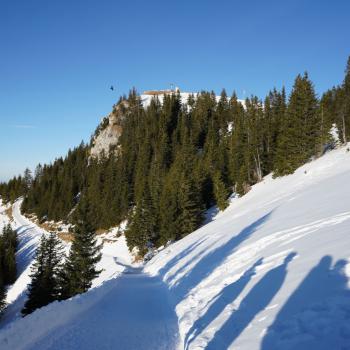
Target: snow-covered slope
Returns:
[[115, 257], [270, 272], [4, 219], [29, 236]]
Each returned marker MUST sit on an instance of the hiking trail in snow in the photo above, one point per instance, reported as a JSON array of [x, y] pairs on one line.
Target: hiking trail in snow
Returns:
[[126, 307]]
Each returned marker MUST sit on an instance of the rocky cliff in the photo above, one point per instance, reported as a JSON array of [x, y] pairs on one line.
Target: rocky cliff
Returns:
[[107, 135]]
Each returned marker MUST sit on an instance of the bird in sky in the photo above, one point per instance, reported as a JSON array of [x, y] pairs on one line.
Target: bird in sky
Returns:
[[112, 87]]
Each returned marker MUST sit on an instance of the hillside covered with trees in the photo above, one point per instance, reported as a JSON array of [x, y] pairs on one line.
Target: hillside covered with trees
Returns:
[[173, 160]]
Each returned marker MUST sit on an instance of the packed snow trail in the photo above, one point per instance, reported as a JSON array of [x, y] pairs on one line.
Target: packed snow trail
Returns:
[[28, 238], [135, 313], [126, 309]]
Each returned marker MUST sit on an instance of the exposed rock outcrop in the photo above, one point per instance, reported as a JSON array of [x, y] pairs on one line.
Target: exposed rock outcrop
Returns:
[[108, 133]]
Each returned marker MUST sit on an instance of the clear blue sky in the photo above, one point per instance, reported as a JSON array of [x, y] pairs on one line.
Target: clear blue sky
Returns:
[[58, 59]]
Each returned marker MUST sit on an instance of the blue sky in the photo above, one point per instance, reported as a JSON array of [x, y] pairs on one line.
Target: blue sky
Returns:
[[58, 59]]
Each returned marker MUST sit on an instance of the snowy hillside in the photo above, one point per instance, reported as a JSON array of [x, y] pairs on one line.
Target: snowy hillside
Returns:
[[270, 272], [115, 257]]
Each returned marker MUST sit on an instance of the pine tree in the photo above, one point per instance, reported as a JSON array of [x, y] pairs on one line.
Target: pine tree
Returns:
[[80, 267], [142, 225], [28, 180], [300, 135], [190, 208], [238, 143], [44, 287], [220, 191], [169, 207], [8, 246], [345, 112]]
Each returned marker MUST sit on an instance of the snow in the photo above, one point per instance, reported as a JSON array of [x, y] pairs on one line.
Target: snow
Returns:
[[146, 99], [115, 258], [271, 272], [334, 134], [4, 219], [184, 96], [107, 317]]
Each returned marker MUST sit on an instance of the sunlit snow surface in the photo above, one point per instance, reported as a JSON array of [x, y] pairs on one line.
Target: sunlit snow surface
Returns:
[[270, 272]]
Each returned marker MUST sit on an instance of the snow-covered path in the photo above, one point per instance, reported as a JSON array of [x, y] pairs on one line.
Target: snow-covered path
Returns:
[[134, 314], [130, 312], [126, 306]]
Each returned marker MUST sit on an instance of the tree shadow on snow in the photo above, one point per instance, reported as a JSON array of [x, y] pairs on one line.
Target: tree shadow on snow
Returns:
[[26, 248], [225, 297], [206, 265], [256, 300], [178, 257], [317, 314]]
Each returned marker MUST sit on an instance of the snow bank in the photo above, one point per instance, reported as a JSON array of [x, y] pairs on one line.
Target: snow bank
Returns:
[[26, 331]]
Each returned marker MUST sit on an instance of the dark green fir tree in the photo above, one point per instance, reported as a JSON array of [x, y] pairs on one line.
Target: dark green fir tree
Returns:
[[47, 268], [80, 267]]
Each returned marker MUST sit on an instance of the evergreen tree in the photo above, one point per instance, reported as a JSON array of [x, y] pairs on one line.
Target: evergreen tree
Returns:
[[44, 287], [169, 208], [220, 192], [190, 208], [8, 246], [345, 110], [142, 225], [300, 135], [80, 267], [28, 180]]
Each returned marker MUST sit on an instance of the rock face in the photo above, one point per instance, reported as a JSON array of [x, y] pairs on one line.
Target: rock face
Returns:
[[109, 131]]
